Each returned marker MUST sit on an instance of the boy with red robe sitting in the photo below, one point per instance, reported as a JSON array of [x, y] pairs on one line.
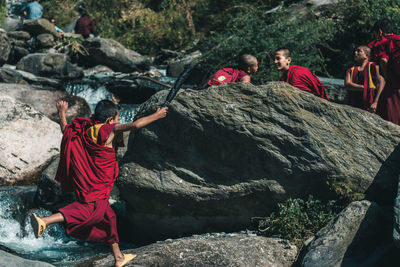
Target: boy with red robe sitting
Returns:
[[298, 76], [363, 81], [88, 167], [248, 65], [385, 51]]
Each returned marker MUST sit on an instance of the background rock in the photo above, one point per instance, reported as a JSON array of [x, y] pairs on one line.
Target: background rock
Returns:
[[45, 40], [213, 250], [12, 24], [28, 142], [229, 153], [110, 53], [39, 26], [5, 47], [50, 65]]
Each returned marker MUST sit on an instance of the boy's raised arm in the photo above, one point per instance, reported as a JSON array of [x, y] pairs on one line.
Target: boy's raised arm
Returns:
[[142, 122], [62, 107]]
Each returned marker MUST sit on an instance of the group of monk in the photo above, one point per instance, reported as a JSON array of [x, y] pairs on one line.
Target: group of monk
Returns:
[[88, 164], [373, 84]]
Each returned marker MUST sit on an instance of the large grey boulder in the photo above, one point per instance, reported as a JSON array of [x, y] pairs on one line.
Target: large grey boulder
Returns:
[[45, 100], [9, 75], [110, 53], [176, 66], [357, 236], [228, 153], [10, 260], [28, 142], [5, 47], [53, 65], [45, 40], [39, 26], [12, 24], [212, 250], [396, 211], [335, 89]]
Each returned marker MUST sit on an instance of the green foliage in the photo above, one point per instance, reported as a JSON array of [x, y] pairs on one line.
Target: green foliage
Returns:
[[344, 192], [260, 36], [297, 219], [3, 11]]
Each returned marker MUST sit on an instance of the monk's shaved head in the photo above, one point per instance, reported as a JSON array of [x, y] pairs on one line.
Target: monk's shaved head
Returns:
[[366, 50], [285, 52], [247, 61]]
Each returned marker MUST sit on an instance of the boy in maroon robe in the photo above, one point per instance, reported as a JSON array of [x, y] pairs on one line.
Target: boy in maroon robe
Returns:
[[248, 65], [298, 76], [363, 81], [88, 166], [385, 51]]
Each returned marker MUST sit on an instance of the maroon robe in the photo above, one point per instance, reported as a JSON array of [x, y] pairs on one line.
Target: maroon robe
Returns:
[[388, 47], [367, 78], [226, 75], [305, 80], [89, 169]]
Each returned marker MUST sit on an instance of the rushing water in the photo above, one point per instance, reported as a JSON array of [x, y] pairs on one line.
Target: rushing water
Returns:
[[16, 232]]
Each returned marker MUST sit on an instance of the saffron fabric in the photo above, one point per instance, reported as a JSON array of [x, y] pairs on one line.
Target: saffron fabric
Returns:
[[305, 80], [367, 78], [388, 47], [226, 75]]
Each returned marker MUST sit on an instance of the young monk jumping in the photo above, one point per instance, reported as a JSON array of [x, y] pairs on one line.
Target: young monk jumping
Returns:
[[385, 51], [248, 65], [298, 76], [363, 81], [88, 166]]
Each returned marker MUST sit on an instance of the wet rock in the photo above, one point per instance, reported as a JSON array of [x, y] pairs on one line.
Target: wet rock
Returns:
[[98, 70], [45, 40], [45, 100], [5, 47], [358, 236], [49, 194], [135, 89], [39, 26], [19, 35], [52, 65], [212, 250], [10, 260], [176, 66], [110, 53], [229, 153], [28, 140]]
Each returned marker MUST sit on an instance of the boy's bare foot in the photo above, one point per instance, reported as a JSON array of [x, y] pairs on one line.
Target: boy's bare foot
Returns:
[[121, 261], [38, 225]]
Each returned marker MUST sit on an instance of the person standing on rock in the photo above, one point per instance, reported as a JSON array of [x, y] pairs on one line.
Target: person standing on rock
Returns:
[[248, 65], [84, 25], [363, 81], [385, 51], [298, 76], [88, 167], [34, 10]]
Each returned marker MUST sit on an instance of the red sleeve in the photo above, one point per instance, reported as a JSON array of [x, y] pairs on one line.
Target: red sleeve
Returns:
[[241, 75], [104, 133]]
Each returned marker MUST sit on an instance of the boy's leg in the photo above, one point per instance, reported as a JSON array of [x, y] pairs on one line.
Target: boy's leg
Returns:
[[120, 259], [39, 224]]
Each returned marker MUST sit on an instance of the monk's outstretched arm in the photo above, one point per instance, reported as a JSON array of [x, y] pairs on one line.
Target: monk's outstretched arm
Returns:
[[142, 122], [381, 82], [350, 85], [62, 107]]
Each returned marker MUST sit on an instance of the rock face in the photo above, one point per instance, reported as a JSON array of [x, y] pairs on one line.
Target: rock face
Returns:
[[45, 40], [228, 153], [5, 47], [28, 142], [45, 101], [175, 67], [335, 89], [50, 65], [114, 55], [39, 26], [236, 250], [358, 236], [12, 24], [396, 226], [8, 75], [7, 259]]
